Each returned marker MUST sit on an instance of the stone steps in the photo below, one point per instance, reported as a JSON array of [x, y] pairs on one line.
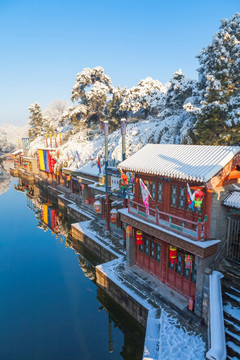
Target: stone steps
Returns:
[[231, 308]]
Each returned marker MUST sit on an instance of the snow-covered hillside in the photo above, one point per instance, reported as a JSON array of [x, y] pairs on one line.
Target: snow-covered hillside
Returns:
[[87, 145], [9, 133]]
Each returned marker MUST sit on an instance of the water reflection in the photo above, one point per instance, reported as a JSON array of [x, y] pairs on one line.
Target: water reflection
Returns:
[[121, 336], [4, 182]]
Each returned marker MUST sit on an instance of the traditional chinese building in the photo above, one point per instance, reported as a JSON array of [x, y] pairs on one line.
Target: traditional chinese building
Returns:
[[177, 237], [232, 202]]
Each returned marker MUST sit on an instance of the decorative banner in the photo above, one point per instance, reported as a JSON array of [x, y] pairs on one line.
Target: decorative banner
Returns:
[[124, 181], [105, 128], [198, 198], [45, 157], [188, 261], [123, 126], [145, 196], [113, 215], [190, 198], [99, 165], [73, 155], [41, 160], [97, 206], [129, 230], [78, 156]]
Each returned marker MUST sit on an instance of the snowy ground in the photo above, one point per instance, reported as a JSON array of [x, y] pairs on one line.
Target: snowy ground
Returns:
[[166, 336]]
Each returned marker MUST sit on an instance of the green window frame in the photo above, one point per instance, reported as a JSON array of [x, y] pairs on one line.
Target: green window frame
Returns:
[[181, 198], [158, 252], [160, 192], [194, 272], [140, 248], [174, 195], [171, 266], [152, 249], [146, 246], [153, 190], [179, 267]]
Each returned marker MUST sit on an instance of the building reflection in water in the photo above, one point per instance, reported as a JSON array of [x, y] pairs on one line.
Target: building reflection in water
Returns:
[[50, 218]]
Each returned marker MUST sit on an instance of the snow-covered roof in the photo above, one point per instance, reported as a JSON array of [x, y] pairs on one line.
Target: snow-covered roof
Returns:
[[17, 152], [187, 162], [90, 168], [233, 200]]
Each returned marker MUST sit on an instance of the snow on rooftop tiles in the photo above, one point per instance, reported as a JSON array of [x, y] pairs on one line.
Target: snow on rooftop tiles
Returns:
[[233, 200], [91, 169], [187, 162]]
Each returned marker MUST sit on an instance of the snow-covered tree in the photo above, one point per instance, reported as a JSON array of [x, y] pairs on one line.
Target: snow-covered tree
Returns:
[[180, 88], [114, 114], [35, 120], [92, 88], [219, 86], [143, 96], [53, 114]]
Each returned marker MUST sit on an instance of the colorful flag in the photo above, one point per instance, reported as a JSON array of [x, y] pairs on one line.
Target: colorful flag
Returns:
[[190, 198], [73, 155], [99, 165], [145, 196], [78, 156]]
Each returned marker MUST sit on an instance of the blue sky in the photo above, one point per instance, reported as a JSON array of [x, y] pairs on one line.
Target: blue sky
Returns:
[[44, 44]]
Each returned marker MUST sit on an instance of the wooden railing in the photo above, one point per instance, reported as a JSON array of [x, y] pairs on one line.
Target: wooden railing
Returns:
[[191, 229]]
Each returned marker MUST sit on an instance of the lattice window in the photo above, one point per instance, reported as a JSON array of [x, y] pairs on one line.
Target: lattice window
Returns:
[[152, 250], [181, 198], [179, 267], [146, 247], [158, 252], [194, 272], [153, 189], [160, 192], [173, 195]]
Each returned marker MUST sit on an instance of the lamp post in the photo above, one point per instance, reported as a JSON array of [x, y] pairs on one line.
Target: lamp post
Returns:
[[123, 132], [105, 128]]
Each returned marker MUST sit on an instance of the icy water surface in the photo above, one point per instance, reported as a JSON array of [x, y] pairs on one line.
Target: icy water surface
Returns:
[[49, 309]]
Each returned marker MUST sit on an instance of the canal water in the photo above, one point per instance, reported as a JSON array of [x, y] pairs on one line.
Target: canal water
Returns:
[[50, 306]]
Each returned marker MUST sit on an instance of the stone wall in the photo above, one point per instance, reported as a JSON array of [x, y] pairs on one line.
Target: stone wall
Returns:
[[136, 310], [91, 245]]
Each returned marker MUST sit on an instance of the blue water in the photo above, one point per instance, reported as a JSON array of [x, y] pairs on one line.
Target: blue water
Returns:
[[48, 307]]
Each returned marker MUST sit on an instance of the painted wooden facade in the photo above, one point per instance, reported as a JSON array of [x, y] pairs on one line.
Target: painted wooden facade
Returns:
[[172, 222]]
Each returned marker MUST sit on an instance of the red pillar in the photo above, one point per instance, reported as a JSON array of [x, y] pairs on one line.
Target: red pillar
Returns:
[[164, 261], [208, 203], [108, 212]]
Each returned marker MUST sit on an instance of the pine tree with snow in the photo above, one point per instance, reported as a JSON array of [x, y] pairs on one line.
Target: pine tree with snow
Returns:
[[180, 88], [143, 96], [35, 120], [92, 88], [114, 114], [218, 114]]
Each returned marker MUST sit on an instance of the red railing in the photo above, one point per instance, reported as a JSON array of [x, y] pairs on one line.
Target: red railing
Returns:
[[191, 229]]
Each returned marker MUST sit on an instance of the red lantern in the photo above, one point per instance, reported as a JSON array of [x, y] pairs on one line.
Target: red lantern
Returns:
[[139, 238], [172, 254], [97, 206], [113, 216], [198, 198]]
